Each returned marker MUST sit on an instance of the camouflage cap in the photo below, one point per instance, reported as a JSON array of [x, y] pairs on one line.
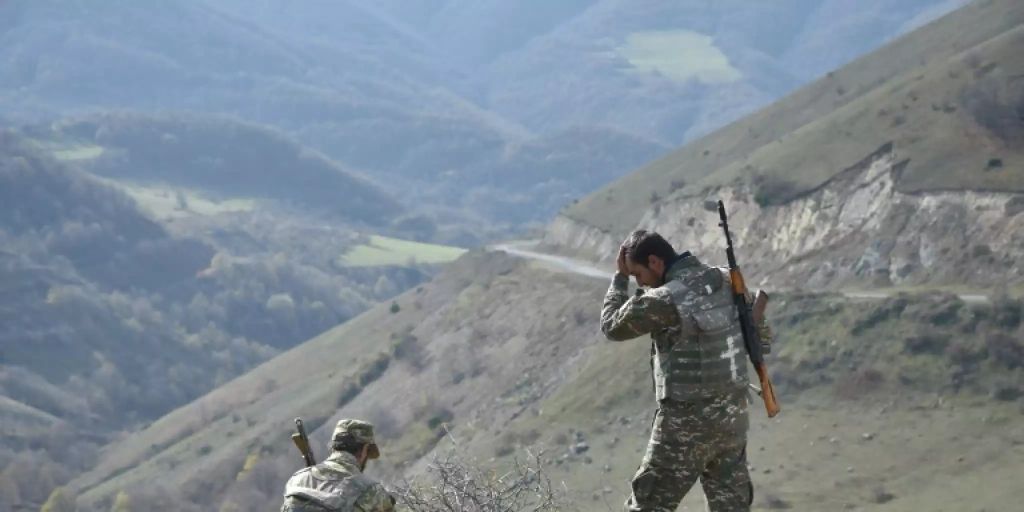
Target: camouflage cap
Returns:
[[359, 430]]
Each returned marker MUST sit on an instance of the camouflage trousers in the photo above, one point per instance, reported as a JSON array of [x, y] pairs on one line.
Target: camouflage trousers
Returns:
[[703, 438]]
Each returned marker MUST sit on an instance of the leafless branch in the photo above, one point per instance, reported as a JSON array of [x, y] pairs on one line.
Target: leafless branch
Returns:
[[454, 484]]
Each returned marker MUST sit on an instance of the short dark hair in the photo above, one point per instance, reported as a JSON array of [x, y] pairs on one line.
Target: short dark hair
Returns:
[[642, 243], [346, 443]]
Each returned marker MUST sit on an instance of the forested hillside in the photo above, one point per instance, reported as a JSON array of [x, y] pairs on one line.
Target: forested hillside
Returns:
[[111, 318]]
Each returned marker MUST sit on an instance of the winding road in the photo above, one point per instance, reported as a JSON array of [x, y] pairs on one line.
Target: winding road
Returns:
[[584, 268]]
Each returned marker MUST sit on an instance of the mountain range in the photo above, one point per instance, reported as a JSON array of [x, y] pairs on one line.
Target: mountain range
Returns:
[[880, 205]]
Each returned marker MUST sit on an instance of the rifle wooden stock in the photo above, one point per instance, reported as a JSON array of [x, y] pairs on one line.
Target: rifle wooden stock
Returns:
[[738, 285], [771, 405], [748, 325]]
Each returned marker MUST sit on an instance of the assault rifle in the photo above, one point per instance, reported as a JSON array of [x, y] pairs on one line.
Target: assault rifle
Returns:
[[301, 441], [751, 334]]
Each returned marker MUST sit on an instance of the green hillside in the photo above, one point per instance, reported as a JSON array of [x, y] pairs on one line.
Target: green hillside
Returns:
[[217, 155], [438, 100], [506, 355], [671, 71], [943, 96], [75, 255], [113, 312]]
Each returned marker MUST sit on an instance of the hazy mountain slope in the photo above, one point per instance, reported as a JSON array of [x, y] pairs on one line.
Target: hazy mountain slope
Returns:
[[347, 96], [506, 354], [116, 307], [236, 421], [474, 33], [427, 95], [369, 43], [222, 156], [926, 123], [860, 28], [75, 250], [674, 70]]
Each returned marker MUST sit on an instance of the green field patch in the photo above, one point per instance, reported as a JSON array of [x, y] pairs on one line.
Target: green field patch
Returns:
[[78, 152], [681, 55], [384, 251], [168, 202], [69, 150]]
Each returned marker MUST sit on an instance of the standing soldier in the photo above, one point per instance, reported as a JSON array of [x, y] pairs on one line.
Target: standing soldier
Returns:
[[338, 483], [700, 375]]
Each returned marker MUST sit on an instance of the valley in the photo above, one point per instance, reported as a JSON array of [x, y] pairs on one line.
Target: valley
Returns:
[[225, 215]]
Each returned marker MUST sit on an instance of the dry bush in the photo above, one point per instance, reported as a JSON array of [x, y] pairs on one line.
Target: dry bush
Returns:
[[773, 190], [454, 484], [928, 341], [997, 104], [1006, 350], [407, 348]]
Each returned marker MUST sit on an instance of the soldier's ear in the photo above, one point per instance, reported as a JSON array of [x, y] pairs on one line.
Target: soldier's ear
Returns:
[[653, 261]]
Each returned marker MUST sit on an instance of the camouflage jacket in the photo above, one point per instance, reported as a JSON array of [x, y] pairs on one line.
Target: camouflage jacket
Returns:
[[335, 485], [696, 341]]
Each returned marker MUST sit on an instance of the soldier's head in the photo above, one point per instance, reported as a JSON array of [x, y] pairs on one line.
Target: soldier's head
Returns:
[[647, 257], [355, 437]]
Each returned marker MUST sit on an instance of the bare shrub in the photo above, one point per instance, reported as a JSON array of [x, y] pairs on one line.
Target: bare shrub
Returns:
[[772, 190], [407, 348], [454, 484], [997, 104], [889, 310], [1006, 350], [929, 341], [966, 352], [1008, 313]]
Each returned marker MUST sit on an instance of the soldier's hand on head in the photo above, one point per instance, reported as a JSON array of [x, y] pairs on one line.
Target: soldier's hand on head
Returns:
[[621, 262]]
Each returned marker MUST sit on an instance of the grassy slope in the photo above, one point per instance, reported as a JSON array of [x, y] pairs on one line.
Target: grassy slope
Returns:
[[221, 155], [917, 446], [831, 124], [510, 356], [253, 412], [383, 251], [470, 322], [814, 456], [235, 420]]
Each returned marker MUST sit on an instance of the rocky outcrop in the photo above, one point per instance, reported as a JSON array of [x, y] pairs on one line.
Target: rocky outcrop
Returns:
[[856, 229]]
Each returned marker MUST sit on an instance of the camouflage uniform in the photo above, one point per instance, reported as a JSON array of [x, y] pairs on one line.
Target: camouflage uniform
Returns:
[[337, 484], [700, 380]]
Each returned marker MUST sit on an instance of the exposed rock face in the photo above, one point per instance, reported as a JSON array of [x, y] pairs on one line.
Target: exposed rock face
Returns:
[[856, 229]]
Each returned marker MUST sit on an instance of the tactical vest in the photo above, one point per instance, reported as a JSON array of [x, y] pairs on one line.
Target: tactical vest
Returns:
[[328, 486], [704, 355]]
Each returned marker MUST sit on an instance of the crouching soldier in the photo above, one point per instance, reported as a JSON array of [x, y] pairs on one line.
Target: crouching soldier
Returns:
[[338, 483]]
